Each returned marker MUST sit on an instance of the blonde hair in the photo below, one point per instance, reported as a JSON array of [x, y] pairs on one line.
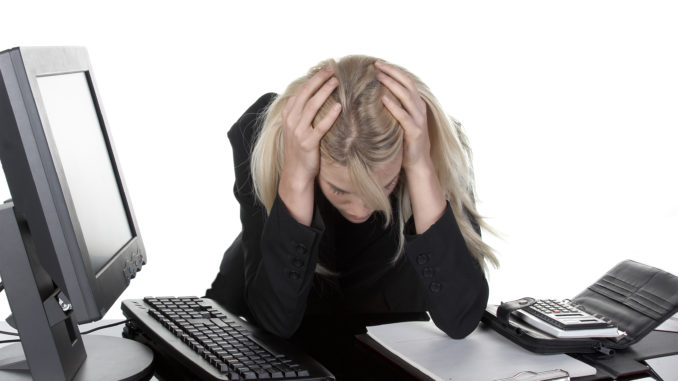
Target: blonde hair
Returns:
[[366, 134]]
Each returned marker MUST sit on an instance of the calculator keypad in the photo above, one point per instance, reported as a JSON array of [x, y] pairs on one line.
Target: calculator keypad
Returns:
[[564, 316]]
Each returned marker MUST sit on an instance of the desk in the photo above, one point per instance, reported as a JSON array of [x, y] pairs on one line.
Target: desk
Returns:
[[386, 366]]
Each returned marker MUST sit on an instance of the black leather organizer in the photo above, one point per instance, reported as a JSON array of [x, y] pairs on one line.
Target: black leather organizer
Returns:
[[635, 297]]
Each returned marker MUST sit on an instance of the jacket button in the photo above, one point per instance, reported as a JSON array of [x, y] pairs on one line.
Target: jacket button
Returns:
[[298, 263], [422, 259], [293, 275], [301, 249], [435, 286], [428, 272]]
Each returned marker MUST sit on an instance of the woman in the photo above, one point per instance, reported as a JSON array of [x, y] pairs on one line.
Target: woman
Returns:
[[357, 208]]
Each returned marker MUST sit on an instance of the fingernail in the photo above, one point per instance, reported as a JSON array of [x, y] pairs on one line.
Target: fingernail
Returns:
[[336, 107], [386, 98]]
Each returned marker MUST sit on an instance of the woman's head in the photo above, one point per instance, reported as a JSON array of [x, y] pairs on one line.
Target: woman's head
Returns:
[[361, 154]]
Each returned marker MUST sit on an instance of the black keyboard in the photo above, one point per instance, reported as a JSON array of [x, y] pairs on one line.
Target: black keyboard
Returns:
[[209, 343]]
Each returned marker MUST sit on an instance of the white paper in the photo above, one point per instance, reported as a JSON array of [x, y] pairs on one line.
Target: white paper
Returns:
[[671, 324], [666, 367], [484, 355]]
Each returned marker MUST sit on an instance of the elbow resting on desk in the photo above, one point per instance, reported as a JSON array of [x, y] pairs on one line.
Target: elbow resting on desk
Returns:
[[459, 318]]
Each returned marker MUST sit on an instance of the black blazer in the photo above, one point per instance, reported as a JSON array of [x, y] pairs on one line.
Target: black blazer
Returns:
[[267, 274]]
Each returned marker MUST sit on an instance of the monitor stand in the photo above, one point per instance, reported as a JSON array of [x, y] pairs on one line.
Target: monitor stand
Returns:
[[108, 358], [51, 344]]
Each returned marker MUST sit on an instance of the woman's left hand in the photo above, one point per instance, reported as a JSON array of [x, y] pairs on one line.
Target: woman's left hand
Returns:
[[426, 194], [411, 115]]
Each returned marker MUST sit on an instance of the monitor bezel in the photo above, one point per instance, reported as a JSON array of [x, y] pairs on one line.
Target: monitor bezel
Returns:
[[91, 293]]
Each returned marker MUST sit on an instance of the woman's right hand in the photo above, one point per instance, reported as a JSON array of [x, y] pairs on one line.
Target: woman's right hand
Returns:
[[301, 139], [302, 142]]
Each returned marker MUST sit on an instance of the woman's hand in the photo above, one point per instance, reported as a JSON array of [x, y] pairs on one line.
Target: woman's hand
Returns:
[[302, 143], [412, 118], [301, 139], [426, 194]]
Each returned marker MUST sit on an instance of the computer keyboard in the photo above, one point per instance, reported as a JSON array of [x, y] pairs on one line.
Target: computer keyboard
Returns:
[[209, 343]]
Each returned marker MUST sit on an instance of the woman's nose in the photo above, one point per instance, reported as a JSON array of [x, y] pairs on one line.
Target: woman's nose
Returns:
[[359, 209]]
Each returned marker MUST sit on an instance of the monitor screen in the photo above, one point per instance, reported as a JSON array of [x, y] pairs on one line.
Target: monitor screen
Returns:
[[85, 165]]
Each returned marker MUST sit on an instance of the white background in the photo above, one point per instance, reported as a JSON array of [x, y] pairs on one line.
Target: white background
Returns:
[[570, 108]]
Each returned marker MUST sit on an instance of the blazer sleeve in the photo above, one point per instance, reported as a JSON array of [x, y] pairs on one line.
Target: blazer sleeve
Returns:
[[280, 254], [451, 279]]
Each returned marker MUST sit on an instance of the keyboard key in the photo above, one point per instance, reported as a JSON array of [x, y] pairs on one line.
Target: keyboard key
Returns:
[[222, 366], [302, 373], [263, 374]]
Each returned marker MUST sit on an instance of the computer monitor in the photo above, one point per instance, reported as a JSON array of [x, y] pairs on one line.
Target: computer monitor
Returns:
[[71, 244]]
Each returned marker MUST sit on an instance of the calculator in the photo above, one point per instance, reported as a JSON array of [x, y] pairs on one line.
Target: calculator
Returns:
[[562, 319]]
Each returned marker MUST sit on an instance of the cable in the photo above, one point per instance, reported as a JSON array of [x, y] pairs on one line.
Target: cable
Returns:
[[82, 333], [105, 326]]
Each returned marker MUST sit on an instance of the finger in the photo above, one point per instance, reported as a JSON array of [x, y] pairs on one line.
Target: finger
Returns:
[[313, 105], [310, 87], [398, 112], [405, 96], [288, 108], [396, 73], [404, 79], [327, 121]]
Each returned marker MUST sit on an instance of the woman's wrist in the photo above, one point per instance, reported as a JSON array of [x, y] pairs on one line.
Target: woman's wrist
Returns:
[[296, 181], [297, 192], [422, 171], [426, 196]]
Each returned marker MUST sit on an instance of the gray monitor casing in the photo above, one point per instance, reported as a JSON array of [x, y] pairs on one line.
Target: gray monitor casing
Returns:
[[37, 183]]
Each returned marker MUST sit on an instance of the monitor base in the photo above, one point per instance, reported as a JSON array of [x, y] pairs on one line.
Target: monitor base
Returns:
[[108, 358]]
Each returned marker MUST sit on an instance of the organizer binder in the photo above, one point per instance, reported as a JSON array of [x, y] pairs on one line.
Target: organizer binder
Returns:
[[635, 297]]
